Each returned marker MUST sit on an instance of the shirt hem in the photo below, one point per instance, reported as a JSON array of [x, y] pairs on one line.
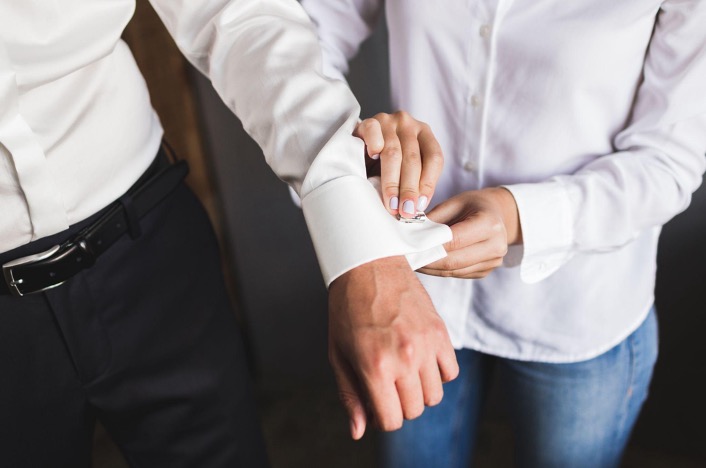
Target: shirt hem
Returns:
[[570, 359]]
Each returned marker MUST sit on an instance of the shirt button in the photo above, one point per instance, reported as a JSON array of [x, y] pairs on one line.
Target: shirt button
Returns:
[[476, 100], [469, 166], [484, 31]]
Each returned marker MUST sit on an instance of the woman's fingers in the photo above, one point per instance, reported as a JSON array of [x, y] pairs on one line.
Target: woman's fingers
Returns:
[[370, 131], [432, 165], [410, 172], [391, 168], [475, 271], [410, 160]]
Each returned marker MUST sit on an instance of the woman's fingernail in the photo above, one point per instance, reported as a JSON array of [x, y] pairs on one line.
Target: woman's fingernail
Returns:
[[422, 203], [375, 156], [394, 203], [354, 429], [408, 207]]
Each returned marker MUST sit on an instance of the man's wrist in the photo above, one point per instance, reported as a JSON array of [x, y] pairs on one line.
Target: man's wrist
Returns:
[[370, 272]]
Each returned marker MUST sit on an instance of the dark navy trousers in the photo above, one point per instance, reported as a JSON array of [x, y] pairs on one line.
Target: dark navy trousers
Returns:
[[144, 341]]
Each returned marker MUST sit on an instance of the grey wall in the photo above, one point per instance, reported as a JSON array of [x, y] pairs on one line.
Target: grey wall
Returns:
[[280, 290], [674, 417], [283, 298]]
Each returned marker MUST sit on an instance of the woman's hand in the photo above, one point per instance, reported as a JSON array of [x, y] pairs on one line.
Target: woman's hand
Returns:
[[484, 222], [408, 157]]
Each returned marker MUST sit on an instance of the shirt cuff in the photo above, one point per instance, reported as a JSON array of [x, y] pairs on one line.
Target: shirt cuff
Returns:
[[349, 226], [547, 230]]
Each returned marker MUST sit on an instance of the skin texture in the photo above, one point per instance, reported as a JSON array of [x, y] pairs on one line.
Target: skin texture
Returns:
[[389, 349]]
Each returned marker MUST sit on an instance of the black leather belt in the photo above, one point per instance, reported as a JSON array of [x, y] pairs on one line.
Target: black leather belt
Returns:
[[48, 269]]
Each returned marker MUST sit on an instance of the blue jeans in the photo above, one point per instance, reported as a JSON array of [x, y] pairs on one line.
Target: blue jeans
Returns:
[[563, 415]]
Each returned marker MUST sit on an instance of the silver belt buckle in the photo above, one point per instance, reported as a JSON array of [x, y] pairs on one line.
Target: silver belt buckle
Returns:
[[14, 283]]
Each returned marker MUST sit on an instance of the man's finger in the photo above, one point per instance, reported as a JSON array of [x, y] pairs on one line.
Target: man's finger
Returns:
[[409, 388], [384, 403], [431, 384], [446, 360], [350, 396], [432, 165]]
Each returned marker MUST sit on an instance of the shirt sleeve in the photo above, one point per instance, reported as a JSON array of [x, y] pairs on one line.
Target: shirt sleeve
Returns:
[[264, 60], [342, 26], [658, 163]]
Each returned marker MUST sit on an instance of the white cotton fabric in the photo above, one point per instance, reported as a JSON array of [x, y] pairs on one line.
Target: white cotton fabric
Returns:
[[591, 112], [77, 128]]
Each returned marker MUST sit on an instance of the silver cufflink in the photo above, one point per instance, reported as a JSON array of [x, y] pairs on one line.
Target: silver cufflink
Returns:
[[420, 217]]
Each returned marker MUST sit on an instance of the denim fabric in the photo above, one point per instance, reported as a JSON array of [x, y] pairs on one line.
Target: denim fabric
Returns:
[[576, 415]]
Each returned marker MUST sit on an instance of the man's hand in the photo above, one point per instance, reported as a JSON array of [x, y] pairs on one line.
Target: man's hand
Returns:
[[389, 349], [484, 222], [408, 157]]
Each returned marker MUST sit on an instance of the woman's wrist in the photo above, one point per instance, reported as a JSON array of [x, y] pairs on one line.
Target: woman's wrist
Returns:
[[505, 202]]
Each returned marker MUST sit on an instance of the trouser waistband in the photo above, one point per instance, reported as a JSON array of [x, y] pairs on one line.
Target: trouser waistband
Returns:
[[49, 261]]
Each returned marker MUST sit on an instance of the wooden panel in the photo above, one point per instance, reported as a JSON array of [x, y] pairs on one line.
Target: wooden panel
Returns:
[[167, 75], [165, 71]]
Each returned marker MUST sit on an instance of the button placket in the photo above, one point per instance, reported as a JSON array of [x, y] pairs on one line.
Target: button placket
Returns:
[[44, 204], [478, 74], [487, 13]]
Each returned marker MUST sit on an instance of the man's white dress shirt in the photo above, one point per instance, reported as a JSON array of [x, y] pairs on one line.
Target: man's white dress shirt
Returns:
[[77, 128], [591, 112]]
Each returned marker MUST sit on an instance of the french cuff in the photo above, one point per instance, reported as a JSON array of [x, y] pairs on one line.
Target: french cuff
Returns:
[[547, 230], [349, 226]]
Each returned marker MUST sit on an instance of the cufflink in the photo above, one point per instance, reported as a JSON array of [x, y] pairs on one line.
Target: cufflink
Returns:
[[420, 217]]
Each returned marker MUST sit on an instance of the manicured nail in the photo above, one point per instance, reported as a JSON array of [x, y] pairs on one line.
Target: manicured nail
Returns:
[[375, 156], [394, 203], [422, 203], [354, 429], [408, 207]]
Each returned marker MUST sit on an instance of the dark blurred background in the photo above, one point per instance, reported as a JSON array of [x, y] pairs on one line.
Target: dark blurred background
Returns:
[[281, 301]]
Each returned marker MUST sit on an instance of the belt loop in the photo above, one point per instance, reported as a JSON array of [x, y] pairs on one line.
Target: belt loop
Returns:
[[133, 222]]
